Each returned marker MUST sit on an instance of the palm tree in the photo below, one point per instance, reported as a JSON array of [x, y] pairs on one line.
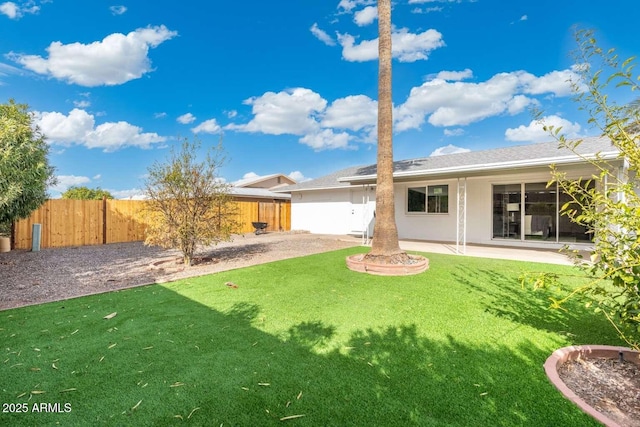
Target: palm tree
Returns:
[[385, 242]]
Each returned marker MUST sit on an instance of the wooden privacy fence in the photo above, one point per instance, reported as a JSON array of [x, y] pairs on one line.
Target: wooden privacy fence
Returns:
[[67, 222]]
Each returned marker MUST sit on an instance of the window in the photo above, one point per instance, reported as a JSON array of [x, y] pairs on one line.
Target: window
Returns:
[[417, 199], [438, 199], [430, 199]]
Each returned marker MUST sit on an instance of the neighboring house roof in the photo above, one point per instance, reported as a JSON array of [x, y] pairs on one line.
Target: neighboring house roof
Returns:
[[469, 163], [324, 183], [263, 181], [258, 193]]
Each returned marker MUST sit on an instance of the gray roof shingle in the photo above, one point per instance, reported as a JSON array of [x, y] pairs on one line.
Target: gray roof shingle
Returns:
[[499, 158]]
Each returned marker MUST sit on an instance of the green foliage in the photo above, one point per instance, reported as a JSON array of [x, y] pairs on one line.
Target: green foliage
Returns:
[[25, 172], [188, 204], [86, 193], [608, 204]]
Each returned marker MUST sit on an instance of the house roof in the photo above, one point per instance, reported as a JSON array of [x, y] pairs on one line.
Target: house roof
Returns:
[[469, 163], [257, 181], [324, 183], [258, 193]]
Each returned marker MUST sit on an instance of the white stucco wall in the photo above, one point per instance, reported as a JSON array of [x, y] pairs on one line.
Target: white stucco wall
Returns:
[[425, 226], [339, 211]]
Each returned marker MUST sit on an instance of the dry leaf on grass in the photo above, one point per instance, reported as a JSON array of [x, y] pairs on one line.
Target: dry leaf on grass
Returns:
[[292, 417], [111, 316]]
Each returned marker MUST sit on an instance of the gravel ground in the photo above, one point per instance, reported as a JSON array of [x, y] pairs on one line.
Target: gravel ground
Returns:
[[28, 278]]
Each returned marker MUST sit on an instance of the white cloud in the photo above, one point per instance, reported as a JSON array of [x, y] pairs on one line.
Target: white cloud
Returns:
[[8, 70], [352, 112], [535, 132], [115, 60], [454, 132], [78, 127], [117, 10], [231, 114], [159, 115], [16, 11], [304, 113], [406, 46], [448, 149], [298, 177], [348, 5], [65, 129], [326, 139], [524, 17], [519, 103], [208, 126], [185, 119], [250, 175], [97, 177], [418, 10], [455, 75], [444, 103], [66, 181], [436, 1], [556, 82], [287, 112], [82, 103], [10, 9], [322, 35], [114, 136], [365, 16], [131, 194]]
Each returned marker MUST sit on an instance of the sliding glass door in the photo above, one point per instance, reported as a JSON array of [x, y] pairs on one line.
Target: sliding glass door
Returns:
[[530, 212], [568, 231], [506, 211], [540, 211]]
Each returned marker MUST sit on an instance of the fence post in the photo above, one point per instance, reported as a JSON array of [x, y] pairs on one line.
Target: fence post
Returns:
[[104, 220]]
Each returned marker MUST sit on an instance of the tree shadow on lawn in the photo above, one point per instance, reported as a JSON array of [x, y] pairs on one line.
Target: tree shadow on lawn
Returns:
[[165, 358], [505, 297]]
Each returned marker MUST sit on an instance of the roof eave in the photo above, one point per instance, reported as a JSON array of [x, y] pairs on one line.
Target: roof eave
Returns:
[[488, 167], [295, 190]]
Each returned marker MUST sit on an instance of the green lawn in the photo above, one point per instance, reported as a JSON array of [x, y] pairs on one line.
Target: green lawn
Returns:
[[460, 345]]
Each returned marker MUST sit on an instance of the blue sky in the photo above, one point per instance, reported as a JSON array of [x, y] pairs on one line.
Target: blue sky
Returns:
[[290, 86]]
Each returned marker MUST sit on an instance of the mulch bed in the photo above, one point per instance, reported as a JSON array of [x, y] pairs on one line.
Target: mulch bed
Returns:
[[608, 385]]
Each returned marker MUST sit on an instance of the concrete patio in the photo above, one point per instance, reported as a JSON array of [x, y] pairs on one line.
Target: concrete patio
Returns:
[[550, 256]]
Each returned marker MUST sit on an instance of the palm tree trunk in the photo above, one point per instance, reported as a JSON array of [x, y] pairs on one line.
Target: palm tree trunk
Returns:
[[385, 233]]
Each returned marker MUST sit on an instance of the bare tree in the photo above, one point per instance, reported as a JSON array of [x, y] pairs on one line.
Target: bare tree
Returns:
[[188, 204]]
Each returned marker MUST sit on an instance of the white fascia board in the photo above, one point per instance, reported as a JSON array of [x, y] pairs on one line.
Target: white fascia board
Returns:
[[491, 166], [338, 187]]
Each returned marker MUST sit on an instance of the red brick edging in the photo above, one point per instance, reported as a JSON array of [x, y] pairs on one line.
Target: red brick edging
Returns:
[[356, 263], [562, 355]]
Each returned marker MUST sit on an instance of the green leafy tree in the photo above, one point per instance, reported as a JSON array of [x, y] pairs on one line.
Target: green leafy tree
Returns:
[[25, 172], [610, 205], [86, 193], [188, 204]]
